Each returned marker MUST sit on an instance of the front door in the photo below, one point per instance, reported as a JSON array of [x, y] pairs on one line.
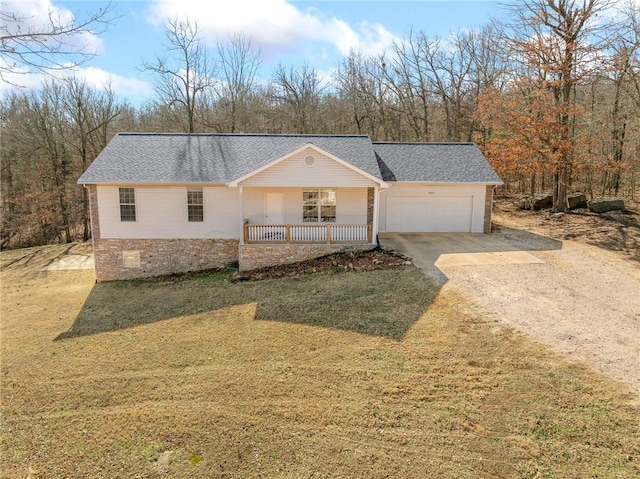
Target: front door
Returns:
[[274, 208]]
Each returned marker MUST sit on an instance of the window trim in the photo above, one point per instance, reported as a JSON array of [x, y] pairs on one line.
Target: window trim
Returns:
[[193, 207], [126, 207], [318, 206]]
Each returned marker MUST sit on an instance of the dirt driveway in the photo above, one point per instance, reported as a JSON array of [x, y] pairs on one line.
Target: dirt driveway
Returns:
[[581, 300]]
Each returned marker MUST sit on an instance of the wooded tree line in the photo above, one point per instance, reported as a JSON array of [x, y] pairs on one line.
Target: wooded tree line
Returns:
[[551, 96]]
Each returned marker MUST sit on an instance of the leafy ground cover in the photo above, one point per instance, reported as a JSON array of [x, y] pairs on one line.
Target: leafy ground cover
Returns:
[[617, 231], [337, 373]]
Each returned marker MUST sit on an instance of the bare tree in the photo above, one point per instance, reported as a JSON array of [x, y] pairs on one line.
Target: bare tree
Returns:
[[186, 77], [50, 155], [299, 92], [239, 63], [13, 183], [90, 113], [489, 71], [357, 90], [622, 69], [408, 76], [59, 42]]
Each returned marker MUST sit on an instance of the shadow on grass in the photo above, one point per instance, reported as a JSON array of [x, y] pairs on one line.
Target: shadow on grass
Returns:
[[383, 302], [27, 261]]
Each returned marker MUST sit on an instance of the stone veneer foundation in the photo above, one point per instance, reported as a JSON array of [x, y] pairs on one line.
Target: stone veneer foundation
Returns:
[[488, 208], [254, 256], [161, 256]]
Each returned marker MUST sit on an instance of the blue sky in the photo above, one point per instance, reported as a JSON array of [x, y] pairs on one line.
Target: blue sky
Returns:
[[287, 31]]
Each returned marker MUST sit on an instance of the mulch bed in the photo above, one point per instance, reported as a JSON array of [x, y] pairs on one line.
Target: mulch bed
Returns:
[[338, 262]]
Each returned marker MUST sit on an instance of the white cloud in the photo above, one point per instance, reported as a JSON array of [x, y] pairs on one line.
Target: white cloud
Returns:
[[274, 25], [25, 15], [134, 89], [125, 87], [13, 76], [38, 16]]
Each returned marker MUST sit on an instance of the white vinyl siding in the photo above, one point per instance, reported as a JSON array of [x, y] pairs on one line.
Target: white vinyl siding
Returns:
[[432, 208], [351, 205], [293, 172], [255, 206], [162, 212]]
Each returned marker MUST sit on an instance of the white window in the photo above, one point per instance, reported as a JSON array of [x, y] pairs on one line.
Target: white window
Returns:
[[195, 204], [318, 206], [127, 204]]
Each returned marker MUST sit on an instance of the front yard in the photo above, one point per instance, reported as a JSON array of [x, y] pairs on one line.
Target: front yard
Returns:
[[330, 374]]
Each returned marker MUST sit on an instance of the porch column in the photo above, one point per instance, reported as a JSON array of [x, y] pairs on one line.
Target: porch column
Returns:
[[241, 209], [376, 209]]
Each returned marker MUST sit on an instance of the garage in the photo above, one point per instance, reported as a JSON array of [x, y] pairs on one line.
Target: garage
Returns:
[[435, 188], [430, 213]]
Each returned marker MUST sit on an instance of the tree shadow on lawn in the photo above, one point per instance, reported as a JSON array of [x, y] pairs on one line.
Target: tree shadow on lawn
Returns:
[[25, 262], [383, 302]]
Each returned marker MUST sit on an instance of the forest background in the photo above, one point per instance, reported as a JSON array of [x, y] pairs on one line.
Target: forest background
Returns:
[[551, 95]]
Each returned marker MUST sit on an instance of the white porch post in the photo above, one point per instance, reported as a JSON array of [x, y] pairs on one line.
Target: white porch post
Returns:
[[376, 209], [241, 209]]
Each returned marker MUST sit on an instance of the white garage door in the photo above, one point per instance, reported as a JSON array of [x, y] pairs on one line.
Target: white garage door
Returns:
[[437, 214]]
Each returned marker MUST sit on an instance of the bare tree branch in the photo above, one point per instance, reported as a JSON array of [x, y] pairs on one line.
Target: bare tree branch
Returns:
[[61, 42], [186, 76]]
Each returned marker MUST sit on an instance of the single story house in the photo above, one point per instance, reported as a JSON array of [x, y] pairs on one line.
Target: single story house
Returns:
[[167, 203]]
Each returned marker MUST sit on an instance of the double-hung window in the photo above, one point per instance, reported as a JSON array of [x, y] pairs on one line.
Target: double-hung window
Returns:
[[318, 206], [195, 204], [127, 204]]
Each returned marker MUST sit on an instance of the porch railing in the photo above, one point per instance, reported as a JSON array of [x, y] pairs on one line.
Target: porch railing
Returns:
[[330, 233]]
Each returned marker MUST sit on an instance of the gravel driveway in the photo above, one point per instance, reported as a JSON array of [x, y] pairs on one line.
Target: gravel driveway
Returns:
[[581, 300]]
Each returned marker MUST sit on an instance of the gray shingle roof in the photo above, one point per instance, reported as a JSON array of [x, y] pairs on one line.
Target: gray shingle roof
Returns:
[[178, 158], [434, 162], [223, 158]]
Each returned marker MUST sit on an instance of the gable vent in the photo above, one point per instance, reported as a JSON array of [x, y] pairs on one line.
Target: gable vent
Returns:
[[309, 160]]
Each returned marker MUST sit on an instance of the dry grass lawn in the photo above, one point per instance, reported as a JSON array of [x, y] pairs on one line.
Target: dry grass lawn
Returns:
[[333, 374]]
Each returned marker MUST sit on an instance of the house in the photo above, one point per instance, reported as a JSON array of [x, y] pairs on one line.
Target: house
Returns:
[[166, 203]]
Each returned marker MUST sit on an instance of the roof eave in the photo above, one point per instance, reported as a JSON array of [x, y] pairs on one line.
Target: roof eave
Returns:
[[422, 182], [153, 183]]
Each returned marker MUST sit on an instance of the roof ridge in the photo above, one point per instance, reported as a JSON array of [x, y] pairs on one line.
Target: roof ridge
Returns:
[[452, 143], [270, 135]]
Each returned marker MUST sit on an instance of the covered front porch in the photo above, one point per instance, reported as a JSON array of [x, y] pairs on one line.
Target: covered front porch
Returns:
[[308, 215], [283, 225], [304, 234], [306, 204]]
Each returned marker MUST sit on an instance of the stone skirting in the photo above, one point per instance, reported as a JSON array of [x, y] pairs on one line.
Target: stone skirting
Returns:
[[160, 256], [488, 208], [93, 211], [255, 256]]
